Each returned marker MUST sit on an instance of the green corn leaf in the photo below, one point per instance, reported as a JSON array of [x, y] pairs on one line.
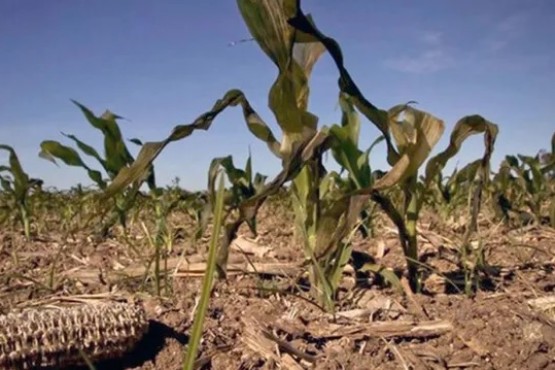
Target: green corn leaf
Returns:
[[536, 184], [207, 282], [20, 178], [151, 177], [332, 213], [458, 179], [349, 119], [88, 150], [116, 153], [336, 268], [349, 157], [238, 178], [248, 168], [50, 150], [15, 166], [267, 23], [6, 185], [258, 182], [466, 174], [242, 189], [503, 177], [18, 187], [548, 167], [345, 148], [512, 161]]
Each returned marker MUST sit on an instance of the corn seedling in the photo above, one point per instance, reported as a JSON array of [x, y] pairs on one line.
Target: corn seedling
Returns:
[[244, 187], [207, 283], [16, 186], [163, 202], [526, 182]]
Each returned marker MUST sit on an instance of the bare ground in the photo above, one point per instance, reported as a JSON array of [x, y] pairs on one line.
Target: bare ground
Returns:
[[263, 318]]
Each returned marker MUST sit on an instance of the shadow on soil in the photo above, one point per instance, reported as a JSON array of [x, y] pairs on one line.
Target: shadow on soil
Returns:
[[487, 279], [146, 350]]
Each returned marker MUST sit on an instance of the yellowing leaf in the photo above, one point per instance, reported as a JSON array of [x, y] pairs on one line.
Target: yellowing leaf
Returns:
[[288, 97], [415, 144], [465, 127]]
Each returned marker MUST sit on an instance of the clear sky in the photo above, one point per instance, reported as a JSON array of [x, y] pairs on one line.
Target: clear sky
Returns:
[[162, 63]]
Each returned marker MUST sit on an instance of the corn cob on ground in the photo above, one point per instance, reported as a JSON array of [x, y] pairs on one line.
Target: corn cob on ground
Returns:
[[59, 337]]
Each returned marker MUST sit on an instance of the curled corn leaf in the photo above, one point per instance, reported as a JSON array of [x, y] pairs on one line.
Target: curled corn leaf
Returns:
[[415, 138], [302, 23], [150, 150], [465, 127], [294, 57], [429, 128]]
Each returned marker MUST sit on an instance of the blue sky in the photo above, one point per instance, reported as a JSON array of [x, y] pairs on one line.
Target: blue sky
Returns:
[[162, 63]]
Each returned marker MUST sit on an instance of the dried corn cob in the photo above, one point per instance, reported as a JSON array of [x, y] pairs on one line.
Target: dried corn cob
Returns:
[[60, 336]]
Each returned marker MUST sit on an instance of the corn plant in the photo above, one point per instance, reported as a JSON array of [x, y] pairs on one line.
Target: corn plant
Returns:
[[476, 175], [448, 194], [322, 202], [116, 158], [408, 141], [163, 202], [207, 283], [244, 186], [17, 187], [525, 182]]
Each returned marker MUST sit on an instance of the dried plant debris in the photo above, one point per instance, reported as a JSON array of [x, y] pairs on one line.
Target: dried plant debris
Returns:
[[65, 336]]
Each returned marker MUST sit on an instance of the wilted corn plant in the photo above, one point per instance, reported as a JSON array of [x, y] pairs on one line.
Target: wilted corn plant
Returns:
[[16, 188], [409, 141], [252, 194], [475, 174], [294, 52], [293, 43], [327, 211], [326, 246], [116, 158]]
